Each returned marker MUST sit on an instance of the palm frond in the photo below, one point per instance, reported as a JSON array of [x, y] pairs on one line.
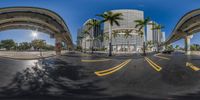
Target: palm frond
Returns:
[[111, 17], [117, 23], [115, 33]]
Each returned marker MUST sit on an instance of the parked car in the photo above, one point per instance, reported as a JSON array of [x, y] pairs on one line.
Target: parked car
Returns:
[[167, 51]]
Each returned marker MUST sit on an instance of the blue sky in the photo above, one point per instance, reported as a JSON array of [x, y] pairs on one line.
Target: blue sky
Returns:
[[76, 12]]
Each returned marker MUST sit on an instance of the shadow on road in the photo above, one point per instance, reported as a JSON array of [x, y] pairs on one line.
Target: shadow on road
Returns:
[[52, 78]]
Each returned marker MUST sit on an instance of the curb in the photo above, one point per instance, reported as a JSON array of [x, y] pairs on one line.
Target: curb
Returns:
[[36, 58]]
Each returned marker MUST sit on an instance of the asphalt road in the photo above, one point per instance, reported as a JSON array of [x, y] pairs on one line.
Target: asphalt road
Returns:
[[88, 77]]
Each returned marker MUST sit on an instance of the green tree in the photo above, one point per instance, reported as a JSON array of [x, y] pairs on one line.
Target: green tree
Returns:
[[8, 44], [141, 25], [38, 44], [177, 47], [195, 47], [111, 18], [24, 46]]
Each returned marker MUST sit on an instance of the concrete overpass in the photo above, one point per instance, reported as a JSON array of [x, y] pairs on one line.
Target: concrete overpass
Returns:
[[188, 25], [39, 19]]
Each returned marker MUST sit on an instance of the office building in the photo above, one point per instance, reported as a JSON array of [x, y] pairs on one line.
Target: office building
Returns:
[[120, 43]]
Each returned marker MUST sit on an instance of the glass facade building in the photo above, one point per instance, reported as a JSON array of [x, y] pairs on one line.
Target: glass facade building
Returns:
[[84, 40]]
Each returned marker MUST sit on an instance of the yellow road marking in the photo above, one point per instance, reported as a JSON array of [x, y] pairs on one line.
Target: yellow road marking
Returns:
[[192, 66], [154, 65], [112, 70], [100, 60], [162, 57]]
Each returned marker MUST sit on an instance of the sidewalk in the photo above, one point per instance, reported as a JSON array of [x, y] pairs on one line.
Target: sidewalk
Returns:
[[26, 55]]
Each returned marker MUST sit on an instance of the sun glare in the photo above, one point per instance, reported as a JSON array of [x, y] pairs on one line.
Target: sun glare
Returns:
[[34, 34]]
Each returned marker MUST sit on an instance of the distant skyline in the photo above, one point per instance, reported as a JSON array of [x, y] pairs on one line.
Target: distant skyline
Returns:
[[76, 12]]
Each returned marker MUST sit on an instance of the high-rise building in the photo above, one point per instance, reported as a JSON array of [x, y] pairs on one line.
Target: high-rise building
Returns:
[[120, 43], [154, 35], [85, 40], [163, 37]]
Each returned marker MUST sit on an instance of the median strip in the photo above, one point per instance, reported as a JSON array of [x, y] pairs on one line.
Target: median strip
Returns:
[[100, 60], [154, 65], [113, 69], [195, 68]]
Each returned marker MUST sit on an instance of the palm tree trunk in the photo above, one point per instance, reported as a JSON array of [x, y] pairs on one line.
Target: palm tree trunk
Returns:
[[110, 40], [144, 44], [85, 45], [92, 40], [159, 33], [144, 51], [81, 45]]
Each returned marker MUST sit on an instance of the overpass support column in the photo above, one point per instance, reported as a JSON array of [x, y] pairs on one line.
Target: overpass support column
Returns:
[[187, 45], [58, 44]]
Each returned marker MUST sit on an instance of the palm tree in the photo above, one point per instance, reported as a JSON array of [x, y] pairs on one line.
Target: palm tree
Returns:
[[81, 40], [115, 33], [149, 44], [157, 27], [111, 18], [99, 38], [85, 34], [141, 25], [92, 24], [105, 37], [126, 35]]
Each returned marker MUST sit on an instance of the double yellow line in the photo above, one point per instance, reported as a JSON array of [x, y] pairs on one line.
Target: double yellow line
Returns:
[[192, 66], [154, 65], [100, 60], [162, 57], [112, 70]]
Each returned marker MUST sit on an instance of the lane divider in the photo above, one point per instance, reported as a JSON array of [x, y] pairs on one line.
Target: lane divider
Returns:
[[110, 69], [160, 54], [162, 57], [154, 65], [85, 55], [100, 60], [195, 68], [113, 69]]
